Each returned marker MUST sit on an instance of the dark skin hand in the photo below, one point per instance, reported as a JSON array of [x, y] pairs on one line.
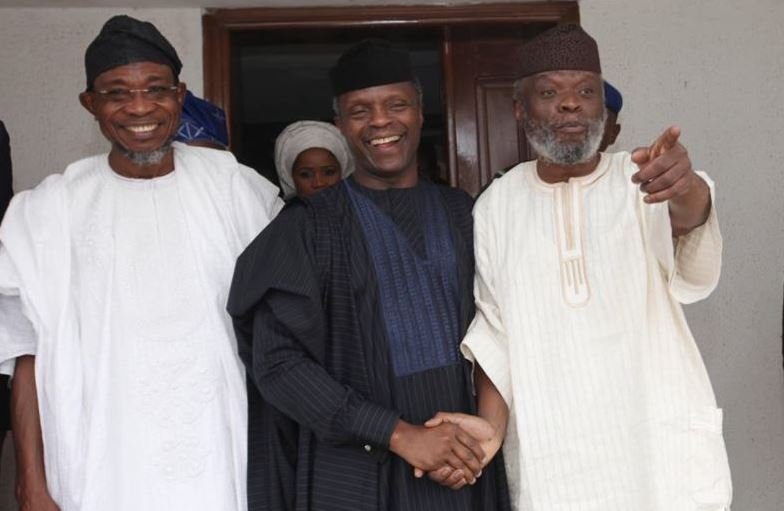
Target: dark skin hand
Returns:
[[666, 174], [488, 427], [31, 491], [490, 440], [430, 448]]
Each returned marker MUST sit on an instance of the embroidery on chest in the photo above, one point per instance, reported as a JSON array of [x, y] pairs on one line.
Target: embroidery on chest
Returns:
[[575, 288]]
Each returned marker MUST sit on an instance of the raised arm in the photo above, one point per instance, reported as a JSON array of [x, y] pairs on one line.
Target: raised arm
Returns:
[[666, 174]]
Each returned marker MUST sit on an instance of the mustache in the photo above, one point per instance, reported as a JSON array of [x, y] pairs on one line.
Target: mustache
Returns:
[[570, 124], [542, 135]]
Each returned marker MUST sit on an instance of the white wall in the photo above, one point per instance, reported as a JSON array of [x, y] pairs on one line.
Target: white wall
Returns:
[[715, 67], [42, 74]]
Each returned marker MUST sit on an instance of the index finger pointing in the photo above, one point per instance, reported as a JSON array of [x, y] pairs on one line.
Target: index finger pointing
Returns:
[[666, 141]]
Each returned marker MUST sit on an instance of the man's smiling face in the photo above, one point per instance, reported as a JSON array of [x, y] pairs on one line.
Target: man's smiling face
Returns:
[[563, 114], [142, 123], [382, 125]]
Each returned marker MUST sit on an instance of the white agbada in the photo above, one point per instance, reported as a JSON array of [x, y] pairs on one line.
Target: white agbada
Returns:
[[125, 281], [579, 325]]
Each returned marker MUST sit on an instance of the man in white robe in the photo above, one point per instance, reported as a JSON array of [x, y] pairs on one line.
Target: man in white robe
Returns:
[[583, 261], [128, 392]]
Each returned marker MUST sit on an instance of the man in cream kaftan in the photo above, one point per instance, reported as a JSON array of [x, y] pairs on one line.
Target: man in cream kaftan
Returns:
[[578, 294], [114, 275], [579, 286]]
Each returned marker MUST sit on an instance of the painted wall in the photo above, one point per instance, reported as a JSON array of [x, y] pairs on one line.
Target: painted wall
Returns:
[[714, 67]]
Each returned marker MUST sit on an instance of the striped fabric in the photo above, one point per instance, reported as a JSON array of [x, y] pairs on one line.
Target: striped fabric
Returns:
[[306, 307], [579, 324], [419, 298]]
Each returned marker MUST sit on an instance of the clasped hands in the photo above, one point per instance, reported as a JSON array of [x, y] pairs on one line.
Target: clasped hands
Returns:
[[451, 448]]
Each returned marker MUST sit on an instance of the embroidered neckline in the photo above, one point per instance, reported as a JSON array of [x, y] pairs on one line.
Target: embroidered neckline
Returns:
[[589, 179]]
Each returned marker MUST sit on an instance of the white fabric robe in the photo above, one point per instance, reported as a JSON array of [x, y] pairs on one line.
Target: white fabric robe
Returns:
[[579, 287], [124, 283]]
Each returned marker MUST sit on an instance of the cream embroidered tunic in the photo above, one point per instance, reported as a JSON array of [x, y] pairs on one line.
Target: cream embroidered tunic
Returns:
[[579, 324], [124, 282]]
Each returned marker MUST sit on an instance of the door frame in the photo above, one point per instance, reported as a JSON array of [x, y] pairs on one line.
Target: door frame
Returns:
[[219, 25]]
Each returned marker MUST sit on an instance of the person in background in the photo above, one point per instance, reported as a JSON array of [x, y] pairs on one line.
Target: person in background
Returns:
[[349, 310], [6, 176], [613, 102], [311, 156], [428, 165], [127, 392], [583, 260], [202, 124]]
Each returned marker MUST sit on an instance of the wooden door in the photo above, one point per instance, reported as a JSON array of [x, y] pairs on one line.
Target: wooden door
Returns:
[[482, 63], [480, 51]]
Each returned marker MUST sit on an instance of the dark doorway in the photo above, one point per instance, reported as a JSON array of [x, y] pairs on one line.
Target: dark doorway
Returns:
[[281, 77], [268, 67]]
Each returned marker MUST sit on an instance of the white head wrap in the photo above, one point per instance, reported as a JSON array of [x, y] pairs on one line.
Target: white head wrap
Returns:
[[303, 135]]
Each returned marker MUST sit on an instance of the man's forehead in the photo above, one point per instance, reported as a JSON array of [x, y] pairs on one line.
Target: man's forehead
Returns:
[[379, 92], [565, 75], [136, 71]]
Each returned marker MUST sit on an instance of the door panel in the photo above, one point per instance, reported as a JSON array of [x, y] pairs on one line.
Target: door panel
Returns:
[[484, 62], [499, 134]]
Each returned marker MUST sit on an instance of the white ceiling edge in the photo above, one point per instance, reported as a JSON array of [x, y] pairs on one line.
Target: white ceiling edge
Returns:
[[225, 4]]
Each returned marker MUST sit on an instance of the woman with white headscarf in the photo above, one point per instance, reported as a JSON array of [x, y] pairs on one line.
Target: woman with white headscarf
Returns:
[[310, 156]]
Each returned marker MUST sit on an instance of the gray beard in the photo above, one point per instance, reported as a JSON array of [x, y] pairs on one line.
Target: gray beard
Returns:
[[145, 159], [542, 137]]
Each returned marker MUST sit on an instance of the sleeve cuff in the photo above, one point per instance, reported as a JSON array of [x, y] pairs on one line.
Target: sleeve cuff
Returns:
[[698, 257], [373, 424], [17, 334], [480, 347], [7, 367]]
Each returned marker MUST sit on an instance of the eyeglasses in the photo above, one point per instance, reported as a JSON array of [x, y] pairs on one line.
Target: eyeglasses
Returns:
[[153, 93]]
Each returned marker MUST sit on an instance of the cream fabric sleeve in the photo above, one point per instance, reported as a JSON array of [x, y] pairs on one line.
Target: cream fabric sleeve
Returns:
[[486, 342], [698, 257], [692, 263]]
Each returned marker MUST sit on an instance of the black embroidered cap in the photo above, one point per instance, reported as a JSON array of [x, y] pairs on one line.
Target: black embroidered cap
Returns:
[[370, 63], [125, 40], [564, 47]]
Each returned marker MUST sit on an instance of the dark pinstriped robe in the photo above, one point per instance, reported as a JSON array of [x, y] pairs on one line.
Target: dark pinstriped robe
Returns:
[[305, 304]]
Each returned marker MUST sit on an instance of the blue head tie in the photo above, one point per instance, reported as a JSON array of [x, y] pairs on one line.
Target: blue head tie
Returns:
[[612, 98], [201, 121]]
